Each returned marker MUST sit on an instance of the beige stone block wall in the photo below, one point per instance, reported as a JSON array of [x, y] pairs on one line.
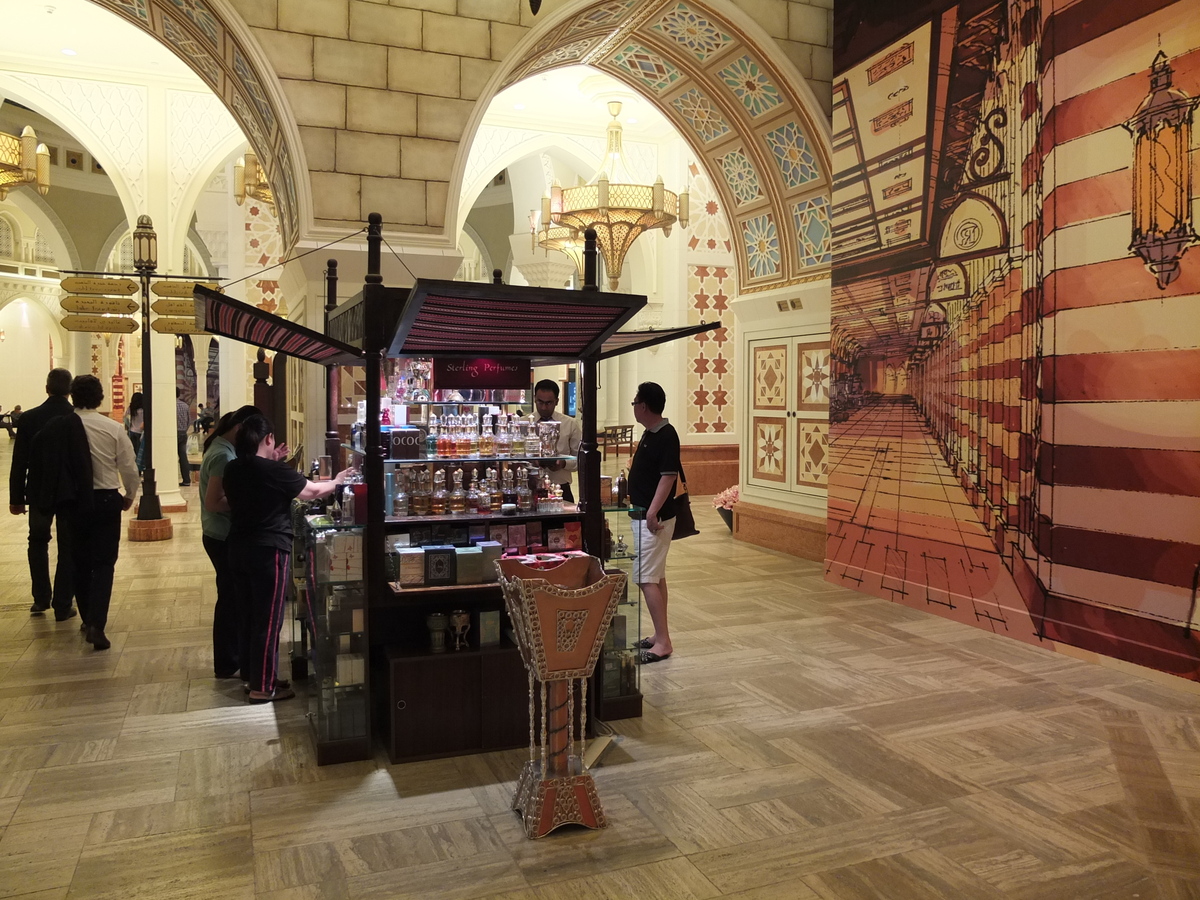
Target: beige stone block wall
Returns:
[[382, 91]]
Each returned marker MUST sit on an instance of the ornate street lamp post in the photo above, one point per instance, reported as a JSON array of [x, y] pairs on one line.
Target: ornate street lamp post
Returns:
[[145, 260]]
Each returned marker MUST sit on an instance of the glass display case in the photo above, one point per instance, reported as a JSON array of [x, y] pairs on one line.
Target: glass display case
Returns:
[[617, 682], [334, 630]]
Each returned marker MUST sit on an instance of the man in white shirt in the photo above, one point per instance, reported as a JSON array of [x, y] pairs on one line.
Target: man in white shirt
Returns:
[[545, 399], [114, 488]]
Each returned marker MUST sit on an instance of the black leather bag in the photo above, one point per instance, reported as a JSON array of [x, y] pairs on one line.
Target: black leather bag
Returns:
[[685, 523]]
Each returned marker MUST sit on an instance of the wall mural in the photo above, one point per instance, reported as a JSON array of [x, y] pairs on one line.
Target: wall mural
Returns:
[[1015, 414]]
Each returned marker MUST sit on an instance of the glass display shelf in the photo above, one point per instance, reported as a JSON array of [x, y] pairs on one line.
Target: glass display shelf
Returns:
[[568, 512], [435, 460]]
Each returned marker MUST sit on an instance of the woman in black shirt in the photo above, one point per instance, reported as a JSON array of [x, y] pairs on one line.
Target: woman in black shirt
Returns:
[[260, 490]]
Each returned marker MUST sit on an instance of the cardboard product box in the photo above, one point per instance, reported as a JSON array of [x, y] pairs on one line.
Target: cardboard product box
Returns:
[[517, 536], [489, 628], [499, 534], [612, 675], [420, 535], [606, 490], [477, 533], [341, 621], [617, 630], [574, 536], [534, 533], [556, 538], [350, 668], [407, 442], [490, 551], [440, 565], [412, 567], [322, 567], [468, 562]]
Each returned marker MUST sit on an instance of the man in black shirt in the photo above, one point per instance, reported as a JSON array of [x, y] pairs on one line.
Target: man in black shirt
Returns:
[[652, 486], [21, 487]]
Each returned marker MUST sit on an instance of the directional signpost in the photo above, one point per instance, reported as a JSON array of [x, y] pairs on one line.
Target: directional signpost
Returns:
[[179, 288], [175, 325], [104, 313], [175, 307]]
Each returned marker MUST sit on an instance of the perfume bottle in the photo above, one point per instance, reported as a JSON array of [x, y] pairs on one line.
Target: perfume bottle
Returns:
[[508, 489], [418, 502], [483, 499], [431, 438], [621, 488], [533, 444], [487, 438], [439, 498], [495, 494], [473, 491], [457, 503], [473, 434], [401, 502], [503, 440], [524, 494]]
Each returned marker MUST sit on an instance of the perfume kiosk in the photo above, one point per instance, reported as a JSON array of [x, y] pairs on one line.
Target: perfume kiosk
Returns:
[[379, 665]]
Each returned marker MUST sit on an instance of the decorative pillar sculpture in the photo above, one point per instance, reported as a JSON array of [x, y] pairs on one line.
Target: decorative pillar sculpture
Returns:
[[560, 616]]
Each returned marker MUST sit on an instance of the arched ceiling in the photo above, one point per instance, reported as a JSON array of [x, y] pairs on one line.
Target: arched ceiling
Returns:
[[750, 119], [223, 60]]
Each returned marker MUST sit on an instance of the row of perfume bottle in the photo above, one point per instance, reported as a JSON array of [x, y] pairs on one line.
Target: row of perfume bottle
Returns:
[[413, 492], [470, 434]]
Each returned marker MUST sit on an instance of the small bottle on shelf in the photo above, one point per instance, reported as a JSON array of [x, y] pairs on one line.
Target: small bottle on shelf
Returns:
[[487, 439], [533, 443], [419, 500], [457, 504], [431, 438], [439, 498], [524, 494], [509, 489], [401, 501], [495, 494], [503, 441], [473, 434], [445, 442], [483, 499], [472, 491]]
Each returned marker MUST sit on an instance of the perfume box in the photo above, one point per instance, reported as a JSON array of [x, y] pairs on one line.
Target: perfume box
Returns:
[[517, 535], [499, 534], [350, 668], [468, 562], [533, 533], [612, 675], [606, 490], [440, 565], [476, 533], [412, 566], [420, 535], [574, 535], [556, 538], [490, 551], [617, 630], [489, 628], [407, 442]]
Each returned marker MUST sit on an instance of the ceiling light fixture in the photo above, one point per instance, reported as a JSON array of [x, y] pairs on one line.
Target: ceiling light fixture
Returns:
[[23, 161], [620, 209], [67, 51]]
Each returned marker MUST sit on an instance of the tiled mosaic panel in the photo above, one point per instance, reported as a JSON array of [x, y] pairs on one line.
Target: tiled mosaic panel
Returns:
[[761, 241], [651, 69], [264, 247], [770, 377], [741, 177], [814, 231], [701, 114], [792, 153], [708, 230], [710, 355], [751, 86], [601, 16], [813, 376], [687, 27], [769, 446], [812, 469]]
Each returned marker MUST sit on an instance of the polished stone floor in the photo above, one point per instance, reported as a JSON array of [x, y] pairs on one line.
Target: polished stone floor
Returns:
[[805, 741]]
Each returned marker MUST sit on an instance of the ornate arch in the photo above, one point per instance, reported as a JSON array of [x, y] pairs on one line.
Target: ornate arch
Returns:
[[738, 103], [219, 49]]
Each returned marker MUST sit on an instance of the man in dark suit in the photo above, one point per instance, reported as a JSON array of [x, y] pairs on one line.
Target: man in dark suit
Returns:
[[21, 486]]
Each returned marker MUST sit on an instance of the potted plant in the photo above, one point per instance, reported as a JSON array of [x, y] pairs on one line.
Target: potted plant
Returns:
[[724, 502]]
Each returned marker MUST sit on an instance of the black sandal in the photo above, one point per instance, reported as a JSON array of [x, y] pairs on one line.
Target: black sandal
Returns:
[[644, 644]]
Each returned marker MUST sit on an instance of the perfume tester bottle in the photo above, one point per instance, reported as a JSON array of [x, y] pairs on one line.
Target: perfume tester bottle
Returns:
[[419, 500], [401, 502], [438, 500], [458, 498], [524, 495]]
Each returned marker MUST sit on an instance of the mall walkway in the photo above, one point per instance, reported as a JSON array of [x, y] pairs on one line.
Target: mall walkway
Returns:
[[804, 742]]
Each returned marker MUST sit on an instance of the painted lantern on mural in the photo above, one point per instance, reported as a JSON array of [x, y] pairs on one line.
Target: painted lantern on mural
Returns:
[[1162, 174]]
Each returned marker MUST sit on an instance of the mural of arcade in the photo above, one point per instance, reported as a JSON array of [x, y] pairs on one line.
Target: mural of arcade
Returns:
[[1015, 417]]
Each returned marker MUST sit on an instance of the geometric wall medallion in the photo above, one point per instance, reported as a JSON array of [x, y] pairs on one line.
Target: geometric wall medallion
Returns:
[[813, 376], [769, 446], [770, 377]]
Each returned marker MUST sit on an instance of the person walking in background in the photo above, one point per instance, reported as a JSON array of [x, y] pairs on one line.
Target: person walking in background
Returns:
[[545, 399], [135, 421], [259, 489], [97, 534], [652, 476], [183, 419], [230, 621], [58, 385]]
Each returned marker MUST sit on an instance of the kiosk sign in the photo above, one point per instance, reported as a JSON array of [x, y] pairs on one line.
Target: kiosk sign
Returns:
[[481, 374]]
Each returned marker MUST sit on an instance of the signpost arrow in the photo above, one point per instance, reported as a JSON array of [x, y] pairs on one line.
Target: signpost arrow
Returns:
[[177, 326], [186, 308], [179, 288], [102, 324], [82, 284], [112, 305]]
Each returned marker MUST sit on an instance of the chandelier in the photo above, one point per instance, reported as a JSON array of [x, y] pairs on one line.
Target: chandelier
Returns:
[[249, 180], [23, 161], [612, 203]]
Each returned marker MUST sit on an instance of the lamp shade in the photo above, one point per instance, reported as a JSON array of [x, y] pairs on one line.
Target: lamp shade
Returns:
[[145, 245]]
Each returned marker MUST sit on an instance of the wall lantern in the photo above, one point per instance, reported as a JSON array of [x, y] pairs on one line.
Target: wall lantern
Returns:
[[1162, 174], [249, 180], [23, 161]]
